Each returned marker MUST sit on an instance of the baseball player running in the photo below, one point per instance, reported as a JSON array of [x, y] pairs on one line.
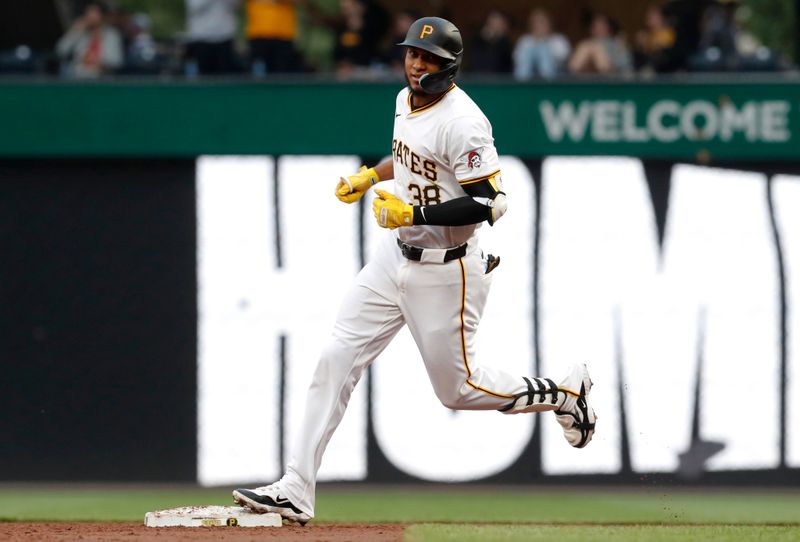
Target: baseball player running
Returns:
[[428, 273]]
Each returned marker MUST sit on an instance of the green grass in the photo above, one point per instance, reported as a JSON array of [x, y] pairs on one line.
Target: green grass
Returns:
[[438, 513], [82, 503], [619, 533], [547, 505]]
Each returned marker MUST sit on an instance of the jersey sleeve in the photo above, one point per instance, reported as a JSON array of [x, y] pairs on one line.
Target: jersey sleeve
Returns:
[[472, 152], [400, 101]]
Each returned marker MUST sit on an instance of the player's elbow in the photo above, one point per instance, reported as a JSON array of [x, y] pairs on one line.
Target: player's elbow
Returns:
[[498, 208], [453, 403]]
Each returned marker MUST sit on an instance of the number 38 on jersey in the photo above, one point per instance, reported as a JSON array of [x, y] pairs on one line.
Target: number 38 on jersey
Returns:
[[419, 193]]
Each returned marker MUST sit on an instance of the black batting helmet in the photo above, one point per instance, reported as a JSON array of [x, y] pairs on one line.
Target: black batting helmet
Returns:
[[439, 37]]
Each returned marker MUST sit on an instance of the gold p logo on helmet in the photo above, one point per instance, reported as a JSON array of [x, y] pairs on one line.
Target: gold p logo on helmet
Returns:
[[426, 30]]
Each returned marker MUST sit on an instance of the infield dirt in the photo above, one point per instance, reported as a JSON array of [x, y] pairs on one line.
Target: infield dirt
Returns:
[[134, 532]]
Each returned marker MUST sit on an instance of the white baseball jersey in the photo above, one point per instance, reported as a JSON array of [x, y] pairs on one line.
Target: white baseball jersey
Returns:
[[436, 149]]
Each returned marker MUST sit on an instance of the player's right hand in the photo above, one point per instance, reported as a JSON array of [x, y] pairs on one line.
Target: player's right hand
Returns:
[[351, 189], [390, 211]]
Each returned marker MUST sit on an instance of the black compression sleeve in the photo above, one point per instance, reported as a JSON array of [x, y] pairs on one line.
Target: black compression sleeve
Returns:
[[456, 212]]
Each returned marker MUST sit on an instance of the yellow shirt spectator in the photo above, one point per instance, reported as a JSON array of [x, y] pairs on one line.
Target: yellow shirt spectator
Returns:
[[661, 38], [271, 19]]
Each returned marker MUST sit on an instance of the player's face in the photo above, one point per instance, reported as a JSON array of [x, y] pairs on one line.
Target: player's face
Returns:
[[418, 63]]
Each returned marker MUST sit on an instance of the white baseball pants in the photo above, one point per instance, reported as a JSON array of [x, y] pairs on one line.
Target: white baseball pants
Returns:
[[442, 305]]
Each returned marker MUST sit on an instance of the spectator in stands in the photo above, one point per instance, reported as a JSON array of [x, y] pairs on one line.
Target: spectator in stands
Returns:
[[724, 45], [271, 31], [491, 48], [540, 52], [90, 47], [655, 44], [719, 29], [142, 55], [603, 52], [360, 28], [755, 56], [210, 30], [120, 18]]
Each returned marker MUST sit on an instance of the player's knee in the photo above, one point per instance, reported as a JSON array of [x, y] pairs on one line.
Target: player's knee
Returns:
[[333, 357], [451, 404], [453, 399], [331, 352], [338, 354]]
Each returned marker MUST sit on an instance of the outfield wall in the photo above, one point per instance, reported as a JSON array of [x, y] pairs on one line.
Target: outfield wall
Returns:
[[721, 119], [162, 318]]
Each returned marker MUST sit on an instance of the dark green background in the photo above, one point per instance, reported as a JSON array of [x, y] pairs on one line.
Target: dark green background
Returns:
[[185, 119]]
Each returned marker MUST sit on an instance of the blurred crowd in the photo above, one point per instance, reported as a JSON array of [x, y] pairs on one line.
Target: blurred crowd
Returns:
[[259, 38]]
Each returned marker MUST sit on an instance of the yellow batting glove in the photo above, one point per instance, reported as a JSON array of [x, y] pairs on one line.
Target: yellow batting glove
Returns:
[[350, 189], [391, 212]]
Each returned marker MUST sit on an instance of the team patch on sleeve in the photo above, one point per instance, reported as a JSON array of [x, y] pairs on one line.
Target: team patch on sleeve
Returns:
[[474, 160]]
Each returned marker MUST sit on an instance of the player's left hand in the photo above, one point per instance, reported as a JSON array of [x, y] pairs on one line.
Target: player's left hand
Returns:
[[350, 189], [390, 211]]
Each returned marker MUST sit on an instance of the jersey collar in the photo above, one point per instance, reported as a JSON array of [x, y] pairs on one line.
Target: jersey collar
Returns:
[[427, 106]]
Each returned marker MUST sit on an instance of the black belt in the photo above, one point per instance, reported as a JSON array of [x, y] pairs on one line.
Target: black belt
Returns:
[[415, 253]]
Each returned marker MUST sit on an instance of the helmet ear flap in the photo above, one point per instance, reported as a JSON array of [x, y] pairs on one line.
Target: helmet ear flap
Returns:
[[434, 83]]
